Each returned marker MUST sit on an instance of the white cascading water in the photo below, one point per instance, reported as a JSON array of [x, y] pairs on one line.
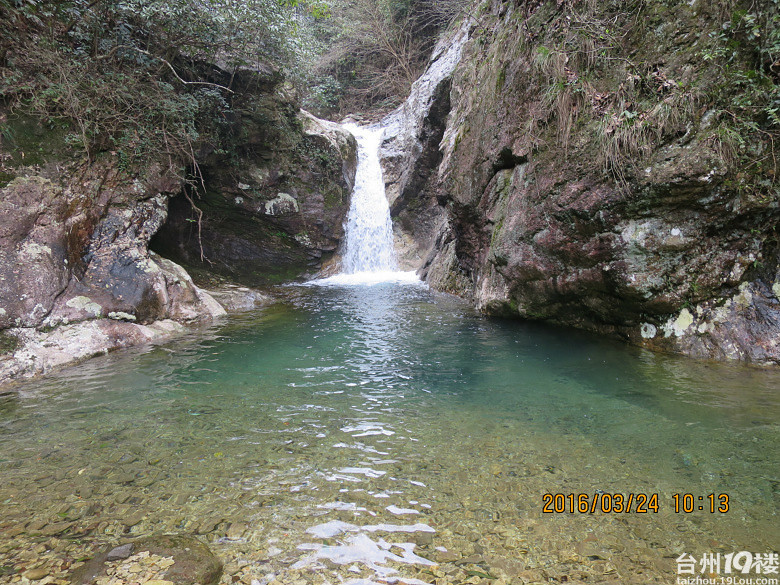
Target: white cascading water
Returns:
[[369, 230], [369, 253]]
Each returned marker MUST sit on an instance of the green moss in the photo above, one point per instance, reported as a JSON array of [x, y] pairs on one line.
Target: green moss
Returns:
[[333, 198], [5, 178], [31, 142], [496, 230], [501, 79], [8, 344]]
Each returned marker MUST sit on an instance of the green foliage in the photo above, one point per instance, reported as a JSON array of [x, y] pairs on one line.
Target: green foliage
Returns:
[[235, 32], [325, 95], [132, 77], [341, 54], [7, 134], [745, 50]]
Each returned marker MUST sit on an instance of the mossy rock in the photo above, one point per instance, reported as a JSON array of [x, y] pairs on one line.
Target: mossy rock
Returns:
[[8, 344], [29, 141], [5, 178], [194, 563]]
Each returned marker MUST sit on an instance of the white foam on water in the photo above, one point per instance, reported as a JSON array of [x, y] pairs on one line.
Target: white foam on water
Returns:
[[360, 447], [342, 507], [331, 529], [336, 527], [367, 429], [399, 511], [340, 477], [361, 549], [369, 278], [367, 471], [373, 433]]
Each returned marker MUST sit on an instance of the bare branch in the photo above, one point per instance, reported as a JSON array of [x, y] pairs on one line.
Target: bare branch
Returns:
[[147, 53]]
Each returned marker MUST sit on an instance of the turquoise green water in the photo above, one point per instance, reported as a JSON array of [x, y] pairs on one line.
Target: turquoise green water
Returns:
[[357, 432]]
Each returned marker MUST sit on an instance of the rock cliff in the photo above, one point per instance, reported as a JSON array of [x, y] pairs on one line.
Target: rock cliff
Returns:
[[79, 269], [275, 201], [611, 166], [410, 154]]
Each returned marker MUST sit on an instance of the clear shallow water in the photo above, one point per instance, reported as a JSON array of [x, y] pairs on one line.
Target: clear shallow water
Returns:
[[355, 432]]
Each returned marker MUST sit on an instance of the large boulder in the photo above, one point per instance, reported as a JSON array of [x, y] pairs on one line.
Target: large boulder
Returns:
[[77, 278], [168, 559], [77, 249]]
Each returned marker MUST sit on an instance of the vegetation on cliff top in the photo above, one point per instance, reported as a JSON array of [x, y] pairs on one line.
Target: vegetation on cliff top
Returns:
[[645, 72], [141, 77], [134, 77], [371, 51]]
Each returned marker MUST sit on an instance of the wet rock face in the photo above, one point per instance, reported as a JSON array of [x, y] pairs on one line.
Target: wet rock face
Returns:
[[34, 266], [77, 278], [661, 250], [77, 275], [276, 213]]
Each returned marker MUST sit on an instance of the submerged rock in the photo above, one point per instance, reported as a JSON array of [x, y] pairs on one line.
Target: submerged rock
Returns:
[[120, 552], [172, 558], [35, 574], [235, 299], [42, 351]]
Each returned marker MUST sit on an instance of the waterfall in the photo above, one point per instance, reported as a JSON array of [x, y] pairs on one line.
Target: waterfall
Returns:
[[368, 252], [369, 230]]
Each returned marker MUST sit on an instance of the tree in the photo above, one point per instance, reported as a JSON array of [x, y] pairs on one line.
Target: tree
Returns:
[[374, 50]]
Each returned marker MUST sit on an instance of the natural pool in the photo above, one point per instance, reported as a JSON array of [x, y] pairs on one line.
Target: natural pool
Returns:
[[383, 433]]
